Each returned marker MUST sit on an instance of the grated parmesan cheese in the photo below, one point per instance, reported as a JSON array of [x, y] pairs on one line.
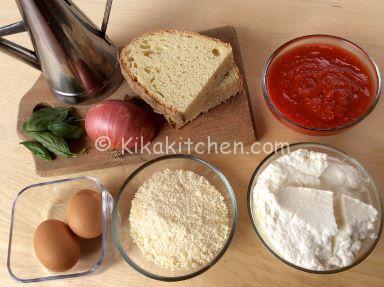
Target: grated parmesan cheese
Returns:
[[179, 220]]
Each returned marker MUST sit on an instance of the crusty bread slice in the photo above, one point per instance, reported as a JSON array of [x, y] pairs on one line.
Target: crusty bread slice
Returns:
[[230, 86], [174, 72]]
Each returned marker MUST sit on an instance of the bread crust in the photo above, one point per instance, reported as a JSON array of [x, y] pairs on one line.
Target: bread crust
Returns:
[[175, 117]]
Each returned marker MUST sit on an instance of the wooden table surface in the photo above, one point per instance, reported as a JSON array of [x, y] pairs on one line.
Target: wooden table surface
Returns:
[[262, 26]]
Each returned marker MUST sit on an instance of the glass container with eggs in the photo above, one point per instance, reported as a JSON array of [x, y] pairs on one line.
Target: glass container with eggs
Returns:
[[60, 230]]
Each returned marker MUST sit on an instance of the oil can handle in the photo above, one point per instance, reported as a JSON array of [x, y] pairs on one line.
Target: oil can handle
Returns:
[[25, 55], [86, 21], [107, 12], [14, 28]]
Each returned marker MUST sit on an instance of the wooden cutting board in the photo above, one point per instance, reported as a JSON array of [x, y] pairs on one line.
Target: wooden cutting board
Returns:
[[229, 122]]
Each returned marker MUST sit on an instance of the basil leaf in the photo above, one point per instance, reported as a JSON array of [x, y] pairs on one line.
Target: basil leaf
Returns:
[[37, 149], [73, 120], [40, 119], [53, 143], [65, 130]]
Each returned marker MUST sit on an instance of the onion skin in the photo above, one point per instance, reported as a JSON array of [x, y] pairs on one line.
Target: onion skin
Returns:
[[124, 123]]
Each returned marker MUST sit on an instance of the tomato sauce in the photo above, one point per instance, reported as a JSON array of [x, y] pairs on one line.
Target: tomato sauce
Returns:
[[320, 86]]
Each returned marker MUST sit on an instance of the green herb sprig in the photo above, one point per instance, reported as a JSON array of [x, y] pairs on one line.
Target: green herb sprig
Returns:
[[49, 128], [38, 149]]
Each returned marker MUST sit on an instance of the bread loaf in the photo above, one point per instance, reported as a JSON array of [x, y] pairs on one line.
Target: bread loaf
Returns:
[[176, 72]]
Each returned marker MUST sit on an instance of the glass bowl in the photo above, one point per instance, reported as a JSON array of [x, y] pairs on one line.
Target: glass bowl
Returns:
[[48, 200], [122, 206], [373, 69], [373, 197]]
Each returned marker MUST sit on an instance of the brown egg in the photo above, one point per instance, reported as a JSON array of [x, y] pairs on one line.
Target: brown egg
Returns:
[[56, 247], [84, 213]]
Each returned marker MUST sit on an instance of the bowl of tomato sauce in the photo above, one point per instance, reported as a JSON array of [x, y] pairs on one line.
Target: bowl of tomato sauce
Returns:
[[321, 84]]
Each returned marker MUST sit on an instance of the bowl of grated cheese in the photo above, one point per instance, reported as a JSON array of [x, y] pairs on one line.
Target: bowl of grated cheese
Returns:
[[174, 217]]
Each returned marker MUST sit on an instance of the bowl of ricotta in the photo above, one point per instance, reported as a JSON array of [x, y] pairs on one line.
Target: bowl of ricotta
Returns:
[[315, 208]]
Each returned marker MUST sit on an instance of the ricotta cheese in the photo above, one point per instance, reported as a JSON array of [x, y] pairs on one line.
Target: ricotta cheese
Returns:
[[308, 207]]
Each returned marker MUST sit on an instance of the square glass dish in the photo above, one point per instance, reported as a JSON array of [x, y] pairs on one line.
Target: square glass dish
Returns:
[[48, 200]]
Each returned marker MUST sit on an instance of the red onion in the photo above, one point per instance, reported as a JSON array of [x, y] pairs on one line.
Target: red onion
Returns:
[[122, 122]]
